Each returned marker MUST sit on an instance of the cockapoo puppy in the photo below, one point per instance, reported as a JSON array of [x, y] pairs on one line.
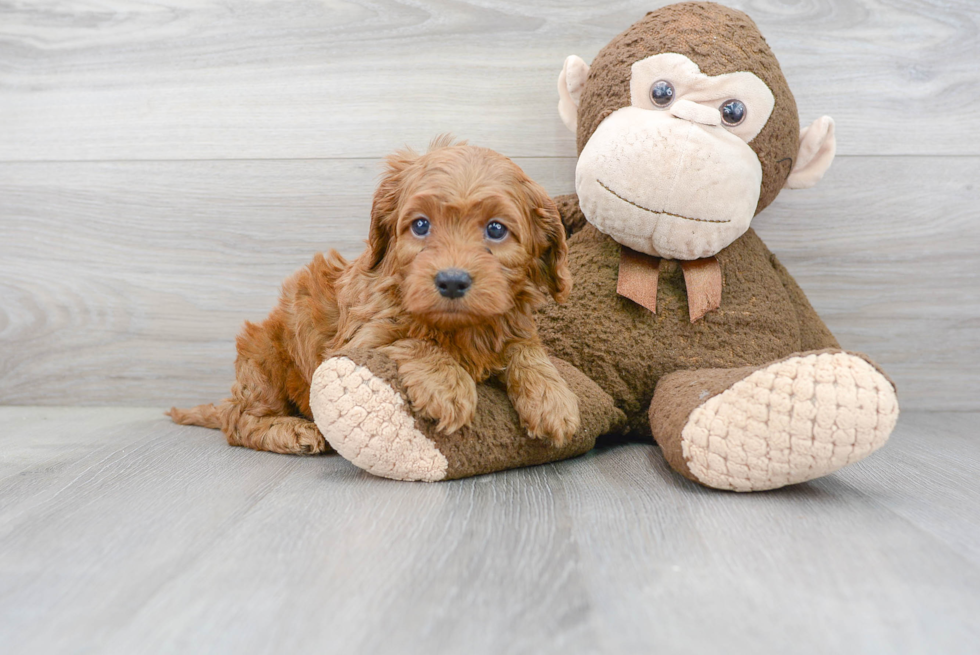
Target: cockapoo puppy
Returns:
[[463, 247]]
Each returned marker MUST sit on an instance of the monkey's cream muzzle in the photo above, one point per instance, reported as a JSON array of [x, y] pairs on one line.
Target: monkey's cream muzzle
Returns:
[[668, 183], [669, 175]]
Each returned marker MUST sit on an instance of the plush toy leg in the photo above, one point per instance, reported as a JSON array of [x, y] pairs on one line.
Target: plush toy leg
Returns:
[[766, 427], [363, 413]]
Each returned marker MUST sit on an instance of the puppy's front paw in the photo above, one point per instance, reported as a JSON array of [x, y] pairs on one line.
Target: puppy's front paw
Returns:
[[451, 402], [548, 410]]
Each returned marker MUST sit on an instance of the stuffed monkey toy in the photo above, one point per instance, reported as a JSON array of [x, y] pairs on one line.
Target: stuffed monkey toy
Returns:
[[681, 325]]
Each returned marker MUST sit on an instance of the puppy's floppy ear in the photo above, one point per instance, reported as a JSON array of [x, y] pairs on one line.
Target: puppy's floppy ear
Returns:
[[384, 208], [550, 270]]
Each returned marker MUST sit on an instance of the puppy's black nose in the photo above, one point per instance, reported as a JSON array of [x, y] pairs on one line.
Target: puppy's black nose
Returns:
[[453, 283]]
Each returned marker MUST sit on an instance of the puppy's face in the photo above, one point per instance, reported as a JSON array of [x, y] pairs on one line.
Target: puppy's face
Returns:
[[467, 236]]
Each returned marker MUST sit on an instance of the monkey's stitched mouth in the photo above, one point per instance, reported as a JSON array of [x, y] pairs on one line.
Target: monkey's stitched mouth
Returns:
[[653, 211]]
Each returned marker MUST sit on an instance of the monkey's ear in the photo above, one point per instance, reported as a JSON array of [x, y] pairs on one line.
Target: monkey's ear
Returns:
[[384, 207], [571, 81], [817, 148]]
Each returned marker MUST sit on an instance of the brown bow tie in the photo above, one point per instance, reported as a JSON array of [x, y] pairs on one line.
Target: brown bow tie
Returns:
[[638, 276]]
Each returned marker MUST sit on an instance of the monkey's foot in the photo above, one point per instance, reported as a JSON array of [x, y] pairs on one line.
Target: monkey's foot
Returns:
[[766, 427], [368, 422], [362, 410]]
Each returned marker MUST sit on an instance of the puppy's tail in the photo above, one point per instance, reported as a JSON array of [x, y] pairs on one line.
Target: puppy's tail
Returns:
[[207, 416]]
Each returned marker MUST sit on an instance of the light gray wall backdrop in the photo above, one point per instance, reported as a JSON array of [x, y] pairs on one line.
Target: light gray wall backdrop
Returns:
[[163, 166]]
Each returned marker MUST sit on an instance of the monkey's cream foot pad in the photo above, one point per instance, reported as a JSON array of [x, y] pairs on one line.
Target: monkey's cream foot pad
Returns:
[[368, 423], [792, 421]]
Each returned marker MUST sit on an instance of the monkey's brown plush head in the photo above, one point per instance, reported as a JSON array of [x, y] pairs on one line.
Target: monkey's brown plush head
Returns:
[[686, 129]]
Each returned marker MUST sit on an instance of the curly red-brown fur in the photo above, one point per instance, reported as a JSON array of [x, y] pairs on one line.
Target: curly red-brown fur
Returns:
[[387, 299]]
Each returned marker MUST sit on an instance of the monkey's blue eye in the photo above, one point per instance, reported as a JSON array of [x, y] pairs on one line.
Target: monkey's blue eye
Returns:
[[420, 227], [662, 93], [496, 231], [733, 112]]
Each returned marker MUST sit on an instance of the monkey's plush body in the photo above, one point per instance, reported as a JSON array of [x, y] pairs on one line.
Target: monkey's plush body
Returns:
[[763, 317], [680, 323]]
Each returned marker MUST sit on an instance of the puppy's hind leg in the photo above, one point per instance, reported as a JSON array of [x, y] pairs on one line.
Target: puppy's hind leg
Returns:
[[290, 435], [257, 417]]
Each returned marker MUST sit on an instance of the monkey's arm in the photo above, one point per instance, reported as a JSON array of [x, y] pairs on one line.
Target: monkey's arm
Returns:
[[814, 334], [357, 398], [571, 214]]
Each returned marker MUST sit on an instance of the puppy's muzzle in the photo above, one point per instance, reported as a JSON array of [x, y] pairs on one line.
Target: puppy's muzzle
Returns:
[[453, 283]]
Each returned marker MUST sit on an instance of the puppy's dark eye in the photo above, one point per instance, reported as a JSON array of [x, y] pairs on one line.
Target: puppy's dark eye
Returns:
[[420, 226], [496, 231], [733, 112]]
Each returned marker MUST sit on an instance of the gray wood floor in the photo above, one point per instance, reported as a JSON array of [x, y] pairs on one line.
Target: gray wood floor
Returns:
[[122, 533]]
